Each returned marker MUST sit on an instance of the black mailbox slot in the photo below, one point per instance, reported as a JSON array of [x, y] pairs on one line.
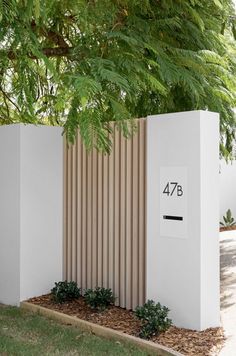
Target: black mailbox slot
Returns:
[[172, 217]]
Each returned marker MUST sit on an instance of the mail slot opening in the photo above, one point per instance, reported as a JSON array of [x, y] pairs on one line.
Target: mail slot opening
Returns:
[[173, 217]]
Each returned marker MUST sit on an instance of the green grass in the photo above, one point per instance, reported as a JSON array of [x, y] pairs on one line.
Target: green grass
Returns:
[[23, 333]]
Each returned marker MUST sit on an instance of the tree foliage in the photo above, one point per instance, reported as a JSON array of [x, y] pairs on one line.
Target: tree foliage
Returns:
[[83, 63]]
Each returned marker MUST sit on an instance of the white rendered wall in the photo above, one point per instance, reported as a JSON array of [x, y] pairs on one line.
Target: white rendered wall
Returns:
[[41, 208], [227, 188], [183, 269], [9, 215], [33, 218]]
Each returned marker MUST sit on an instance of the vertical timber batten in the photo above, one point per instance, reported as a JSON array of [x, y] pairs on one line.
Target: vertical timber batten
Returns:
[[104, 216]]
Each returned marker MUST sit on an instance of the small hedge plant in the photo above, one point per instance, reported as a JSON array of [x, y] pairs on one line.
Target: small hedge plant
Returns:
[[154, 319], [99, 298], [65, 291]]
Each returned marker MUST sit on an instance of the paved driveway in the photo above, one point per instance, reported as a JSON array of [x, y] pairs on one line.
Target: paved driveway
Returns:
[[228, 290]]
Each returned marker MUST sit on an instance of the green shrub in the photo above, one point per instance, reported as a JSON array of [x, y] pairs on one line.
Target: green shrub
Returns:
[[65, 291], [154, 319], [99, 298], [228, 219]]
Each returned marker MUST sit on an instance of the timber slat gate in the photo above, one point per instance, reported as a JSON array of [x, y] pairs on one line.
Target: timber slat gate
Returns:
[[104, 217]]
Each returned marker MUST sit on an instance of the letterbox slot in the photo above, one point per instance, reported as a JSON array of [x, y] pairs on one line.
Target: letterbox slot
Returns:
[[172, 217]]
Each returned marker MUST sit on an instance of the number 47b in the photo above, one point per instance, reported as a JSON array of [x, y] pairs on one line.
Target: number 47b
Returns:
[[173, 187]]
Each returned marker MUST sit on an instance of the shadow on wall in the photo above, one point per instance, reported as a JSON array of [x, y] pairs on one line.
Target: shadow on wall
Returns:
[[227, 272]]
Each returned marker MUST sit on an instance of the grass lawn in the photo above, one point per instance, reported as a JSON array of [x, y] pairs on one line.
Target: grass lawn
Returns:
[[23, 333]]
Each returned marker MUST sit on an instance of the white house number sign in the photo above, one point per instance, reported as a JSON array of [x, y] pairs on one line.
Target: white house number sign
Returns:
[[173, 202]]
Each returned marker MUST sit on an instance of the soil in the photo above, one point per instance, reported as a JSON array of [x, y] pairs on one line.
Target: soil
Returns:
[[187, 342], [227, 228]]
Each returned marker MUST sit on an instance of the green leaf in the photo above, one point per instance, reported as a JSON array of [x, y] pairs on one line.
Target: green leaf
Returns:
[[218, 4], [36, 9]]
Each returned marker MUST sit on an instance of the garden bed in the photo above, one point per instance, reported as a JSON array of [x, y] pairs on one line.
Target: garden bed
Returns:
[[187, 342], [227, 228]]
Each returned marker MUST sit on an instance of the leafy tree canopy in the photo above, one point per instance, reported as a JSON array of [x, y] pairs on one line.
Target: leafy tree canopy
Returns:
[[83, 63]]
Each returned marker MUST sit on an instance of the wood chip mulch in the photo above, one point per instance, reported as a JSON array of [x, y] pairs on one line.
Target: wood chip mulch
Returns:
[[227, 228], [188, 342]]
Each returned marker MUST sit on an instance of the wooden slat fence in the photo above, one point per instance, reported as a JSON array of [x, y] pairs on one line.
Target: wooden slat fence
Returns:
[[104, 217]]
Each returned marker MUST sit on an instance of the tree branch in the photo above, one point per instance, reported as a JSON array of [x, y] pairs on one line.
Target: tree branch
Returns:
[[48, 52], [5, 96], [5, 102], [50, 34]]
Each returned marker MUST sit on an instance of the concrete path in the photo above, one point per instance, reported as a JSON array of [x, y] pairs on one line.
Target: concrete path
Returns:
[[228, 290]]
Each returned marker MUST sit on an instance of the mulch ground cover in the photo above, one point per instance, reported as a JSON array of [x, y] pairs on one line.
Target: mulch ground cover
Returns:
[[187, 342], [227, 228]]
